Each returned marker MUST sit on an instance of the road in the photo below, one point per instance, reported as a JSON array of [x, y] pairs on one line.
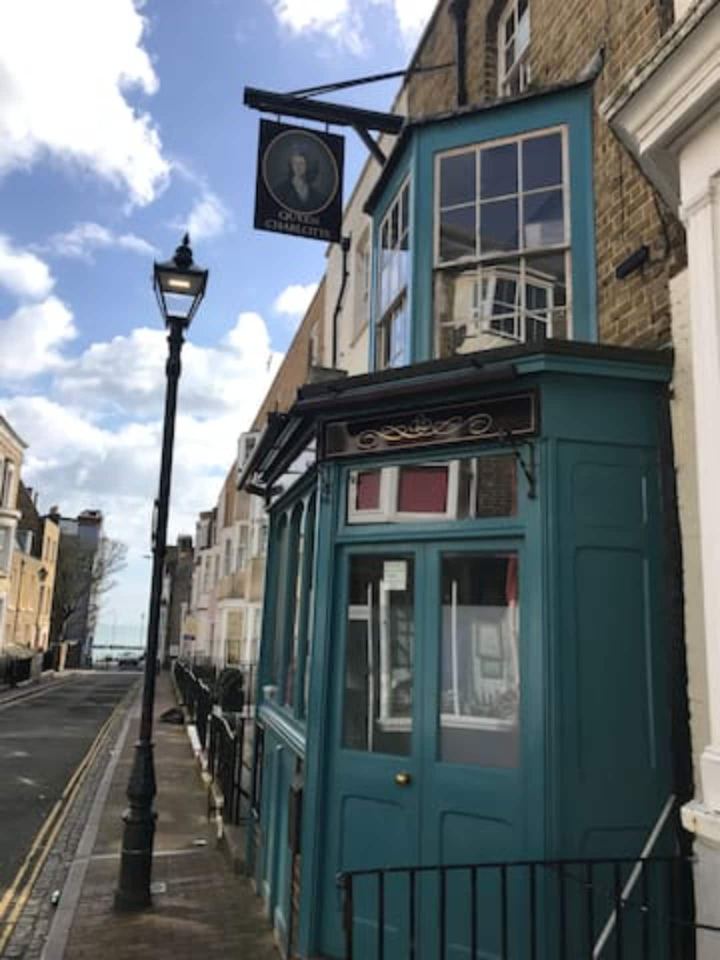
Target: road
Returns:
[[42, 740]]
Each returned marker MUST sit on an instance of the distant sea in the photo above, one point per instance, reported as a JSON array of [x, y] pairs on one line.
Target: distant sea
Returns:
[[113, 640]]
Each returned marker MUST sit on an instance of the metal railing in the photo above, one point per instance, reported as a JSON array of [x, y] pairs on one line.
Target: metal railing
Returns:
[[228, 764], [227, 737], [527, 910]]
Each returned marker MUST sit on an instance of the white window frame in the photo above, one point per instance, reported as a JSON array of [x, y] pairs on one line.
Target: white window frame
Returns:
[[515, 78], [399, 301], [485, 261], [387, 510]]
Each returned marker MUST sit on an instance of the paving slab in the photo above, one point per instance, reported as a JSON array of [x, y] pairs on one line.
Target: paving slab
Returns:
[[203, 908]]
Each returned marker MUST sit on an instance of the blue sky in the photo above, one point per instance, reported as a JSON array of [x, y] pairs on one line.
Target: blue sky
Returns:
[[122, 124]]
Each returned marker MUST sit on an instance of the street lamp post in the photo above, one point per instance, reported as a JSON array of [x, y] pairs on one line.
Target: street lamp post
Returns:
[[179, 286]]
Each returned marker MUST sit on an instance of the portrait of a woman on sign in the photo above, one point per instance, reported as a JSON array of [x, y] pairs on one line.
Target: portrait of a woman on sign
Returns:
[[300, 172]]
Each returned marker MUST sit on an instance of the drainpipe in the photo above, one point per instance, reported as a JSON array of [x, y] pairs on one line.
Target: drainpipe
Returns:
[[459, 12], [345, 246]]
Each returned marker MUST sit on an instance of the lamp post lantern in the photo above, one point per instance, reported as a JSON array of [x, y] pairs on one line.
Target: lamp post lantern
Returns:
[[179, 287]]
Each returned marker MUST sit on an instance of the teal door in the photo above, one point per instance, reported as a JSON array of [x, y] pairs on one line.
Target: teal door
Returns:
[[429, 753]]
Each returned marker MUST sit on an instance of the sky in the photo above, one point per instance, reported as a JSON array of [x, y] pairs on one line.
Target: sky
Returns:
[[121, 126]]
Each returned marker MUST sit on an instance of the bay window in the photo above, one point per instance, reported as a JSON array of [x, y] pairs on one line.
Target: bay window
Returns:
[[502, 243]]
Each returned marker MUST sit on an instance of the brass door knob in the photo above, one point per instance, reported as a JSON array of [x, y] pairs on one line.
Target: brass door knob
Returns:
[[403, 779]]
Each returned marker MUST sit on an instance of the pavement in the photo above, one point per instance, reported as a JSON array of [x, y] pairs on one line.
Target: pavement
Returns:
[[201, 906]]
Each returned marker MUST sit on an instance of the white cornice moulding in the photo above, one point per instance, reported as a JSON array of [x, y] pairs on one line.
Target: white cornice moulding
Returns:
[[664, 103]]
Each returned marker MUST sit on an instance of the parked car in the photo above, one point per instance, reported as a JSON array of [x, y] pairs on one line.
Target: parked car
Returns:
[[131, 661]]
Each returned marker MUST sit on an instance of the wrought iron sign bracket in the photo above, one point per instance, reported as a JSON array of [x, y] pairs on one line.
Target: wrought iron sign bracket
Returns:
[[524, 452], [305, 108]]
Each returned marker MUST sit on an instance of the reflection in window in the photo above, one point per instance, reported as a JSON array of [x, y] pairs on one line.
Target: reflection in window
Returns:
[[502, 238], [471, 488], [392, 335], [513, 43], [377, 705], [479, 660], [295, 572]]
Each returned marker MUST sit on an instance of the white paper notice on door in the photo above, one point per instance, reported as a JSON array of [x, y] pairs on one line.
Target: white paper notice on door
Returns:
[[395, 574]]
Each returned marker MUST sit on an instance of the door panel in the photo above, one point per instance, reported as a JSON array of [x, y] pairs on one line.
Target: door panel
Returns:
[[427, 765], [374, 788]]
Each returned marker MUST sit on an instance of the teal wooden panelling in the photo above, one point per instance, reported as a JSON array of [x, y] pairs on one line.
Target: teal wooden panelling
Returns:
[[595, 745]]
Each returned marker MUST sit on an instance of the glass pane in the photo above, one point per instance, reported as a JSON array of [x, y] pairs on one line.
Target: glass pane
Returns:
[[522, 37], [457, 233], [367, 496], [499, 305], [544, 219], [495, 486], [542, 162], [510, 26], [308, 625], [404, 213], [457, 179], [499, 226], [377, 703], [479, 660], [546, 296], [498, 171], [423, 489], [295, 567], [397, 338]]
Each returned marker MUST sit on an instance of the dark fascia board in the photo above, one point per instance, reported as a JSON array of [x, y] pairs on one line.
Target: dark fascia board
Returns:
[[429, 382], [273, 427], [485, 359], [411, 126]]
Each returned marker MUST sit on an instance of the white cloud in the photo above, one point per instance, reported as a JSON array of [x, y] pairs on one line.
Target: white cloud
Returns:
[[351, 23], [126, 376], [295, 299], [94, 441], [335, 19], [84, 238], [65, 70], [412, 16], [208, 217], [31, 339], [23, 273]]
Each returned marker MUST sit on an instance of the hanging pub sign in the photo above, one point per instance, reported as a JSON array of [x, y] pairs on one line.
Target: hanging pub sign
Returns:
[[299, 182]]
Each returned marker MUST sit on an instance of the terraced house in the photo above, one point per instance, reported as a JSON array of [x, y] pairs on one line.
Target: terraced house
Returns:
[[483, 690]]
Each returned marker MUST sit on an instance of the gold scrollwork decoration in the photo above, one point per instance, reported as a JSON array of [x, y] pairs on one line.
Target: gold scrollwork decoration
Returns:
[[423, 428]]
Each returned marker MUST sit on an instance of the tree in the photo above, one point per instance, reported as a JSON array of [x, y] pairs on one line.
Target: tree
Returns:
[[84, 574]]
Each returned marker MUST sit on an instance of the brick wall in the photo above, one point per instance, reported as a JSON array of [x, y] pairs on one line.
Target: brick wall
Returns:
[[565, 35]]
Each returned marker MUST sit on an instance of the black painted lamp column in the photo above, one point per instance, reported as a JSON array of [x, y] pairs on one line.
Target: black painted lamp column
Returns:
[[179, 286]]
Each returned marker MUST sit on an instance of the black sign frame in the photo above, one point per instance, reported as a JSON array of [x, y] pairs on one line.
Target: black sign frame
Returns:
[[299, 182]]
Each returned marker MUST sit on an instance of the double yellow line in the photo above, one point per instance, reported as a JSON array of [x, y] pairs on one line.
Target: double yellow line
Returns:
[[17, 895]]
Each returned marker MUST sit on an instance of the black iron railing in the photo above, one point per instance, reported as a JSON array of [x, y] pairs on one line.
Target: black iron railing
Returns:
[[229, 764], [227, 736], [530, 910], [203, 709]]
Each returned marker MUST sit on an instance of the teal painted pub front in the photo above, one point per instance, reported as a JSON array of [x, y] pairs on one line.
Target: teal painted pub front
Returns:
[[471, 684], [466, 656]]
